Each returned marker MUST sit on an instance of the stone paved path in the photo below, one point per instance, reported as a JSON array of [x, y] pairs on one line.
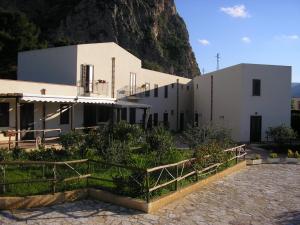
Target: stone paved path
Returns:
[[264, 194]]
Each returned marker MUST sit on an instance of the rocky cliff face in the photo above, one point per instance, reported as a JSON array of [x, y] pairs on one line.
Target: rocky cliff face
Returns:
[[150, 29]]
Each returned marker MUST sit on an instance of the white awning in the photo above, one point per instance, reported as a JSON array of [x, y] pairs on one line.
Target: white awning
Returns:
[[123, 104], [93, 100], [47, 98], [66, 99]]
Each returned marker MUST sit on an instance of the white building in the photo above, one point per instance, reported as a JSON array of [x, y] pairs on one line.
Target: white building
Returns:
[[71, 87], [247, 98]]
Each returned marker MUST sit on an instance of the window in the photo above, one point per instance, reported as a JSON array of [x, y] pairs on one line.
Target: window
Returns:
[[64, 114], [187, 87], [156, 90], [197, 86], [166, 91], [87, 78], [4, 114], [166, 120], [155, 119], [132, 83], [256, 87], [147, 90]]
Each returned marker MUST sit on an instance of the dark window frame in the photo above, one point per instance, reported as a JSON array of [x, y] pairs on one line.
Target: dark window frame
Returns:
[[4, 114], [155, 90], [166, 91], [256, 87]]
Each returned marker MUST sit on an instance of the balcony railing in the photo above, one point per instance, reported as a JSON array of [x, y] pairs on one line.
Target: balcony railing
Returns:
[[130, 92], [93, 88]]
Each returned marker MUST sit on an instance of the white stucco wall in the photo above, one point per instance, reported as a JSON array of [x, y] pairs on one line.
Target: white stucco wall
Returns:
[[233, 103], [51, 65], [274, 104]]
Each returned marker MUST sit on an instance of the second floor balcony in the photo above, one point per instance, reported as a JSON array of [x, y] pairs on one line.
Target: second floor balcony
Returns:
[[131, 92], [95, 88]]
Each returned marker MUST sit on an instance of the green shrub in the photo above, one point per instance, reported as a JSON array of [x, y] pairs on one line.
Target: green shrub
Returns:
[[281, 134], [4, 154], [297, 155], [161, 142], [210, 153], [273, 155], [71, 141], [196, 136], [290, 153]]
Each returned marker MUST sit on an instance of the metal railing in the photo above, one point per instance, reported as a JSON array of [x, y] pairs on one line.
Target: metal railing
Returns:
[[96, 87]]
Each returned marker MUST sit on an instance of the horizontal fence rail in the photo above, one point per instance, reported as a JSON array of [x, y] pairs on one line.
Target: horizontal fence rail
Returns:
[[49, 177]]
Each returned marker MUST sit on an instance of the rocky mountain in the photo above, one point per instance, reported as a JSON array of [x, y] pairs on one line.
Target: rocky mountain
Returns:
[[150, 29]]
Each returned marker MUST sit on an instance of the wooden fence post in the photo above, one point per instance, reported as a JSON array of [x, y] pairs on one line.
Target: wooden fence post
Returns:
[[4, 187], [236, 153], [54, 179], [176, 183], [147, 187], [88, 171]]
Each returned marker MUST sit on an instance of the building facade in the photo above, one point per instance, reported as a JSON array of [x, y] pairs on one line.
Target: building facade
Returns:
[[246, 98], [74, 87]]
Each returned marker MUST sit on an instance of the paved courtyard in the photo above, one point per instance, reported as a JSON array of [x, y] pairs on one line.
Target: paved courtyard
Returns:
[[264, 194]]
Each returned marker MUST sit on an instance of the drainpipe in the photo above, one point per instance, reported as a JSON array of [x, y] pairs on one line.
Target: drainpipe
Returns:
[[177, 105], [113, 71], [17, 121]]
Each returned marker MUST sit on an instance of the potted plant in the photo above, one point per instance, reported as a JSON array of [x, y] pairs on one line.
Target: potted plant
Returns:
[[255, 160], [273, 158], [291, 157]]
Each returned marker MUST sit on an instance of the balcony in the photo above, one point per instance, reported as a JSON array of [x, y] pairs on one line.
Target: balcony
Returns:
[[131, 92], [95, 88]]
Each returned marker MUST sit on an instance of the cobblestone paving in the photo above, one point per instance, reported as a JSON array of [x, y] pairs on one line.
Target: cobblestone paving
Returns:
[[264, 194]]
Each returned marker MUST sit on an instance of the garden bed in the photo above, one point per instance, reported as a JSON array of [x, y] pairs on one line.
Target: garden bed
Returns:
[[8, 203]]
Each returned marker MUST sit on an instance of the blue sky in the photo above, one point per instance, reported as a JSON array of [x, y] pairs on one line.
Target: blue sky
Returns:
[[246, 31]]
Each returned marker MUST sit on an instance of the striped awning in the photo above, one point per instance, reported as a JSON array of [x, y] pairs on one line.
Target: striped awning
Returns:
[[47, 98], [66, 99]]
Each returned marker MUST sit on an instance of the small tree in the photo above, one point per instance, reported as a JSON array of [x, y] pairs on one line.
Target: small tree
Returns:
[[281, 134]]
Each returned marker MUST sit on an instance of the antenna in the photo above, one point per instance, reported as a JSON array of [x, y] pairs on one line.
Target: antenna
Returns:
[[218, 60]]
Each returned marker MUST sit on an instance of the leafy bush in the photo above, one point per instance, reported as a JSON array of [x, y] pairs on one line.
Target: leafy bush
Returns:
[[161, 142], [290, 153], [71, 141], [273, 155], [196, 136], [4, 154], [281, 134], [297, 155], [210, 153]]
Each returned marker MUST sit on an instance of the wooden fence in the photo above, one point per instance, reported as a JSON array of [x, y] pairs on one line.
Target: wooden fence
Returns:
[[120, 179]]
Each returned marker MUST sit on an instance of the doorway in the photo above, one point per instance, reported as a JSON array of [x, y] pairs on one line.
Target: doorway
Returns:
[[27, 120], [255, 128]]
